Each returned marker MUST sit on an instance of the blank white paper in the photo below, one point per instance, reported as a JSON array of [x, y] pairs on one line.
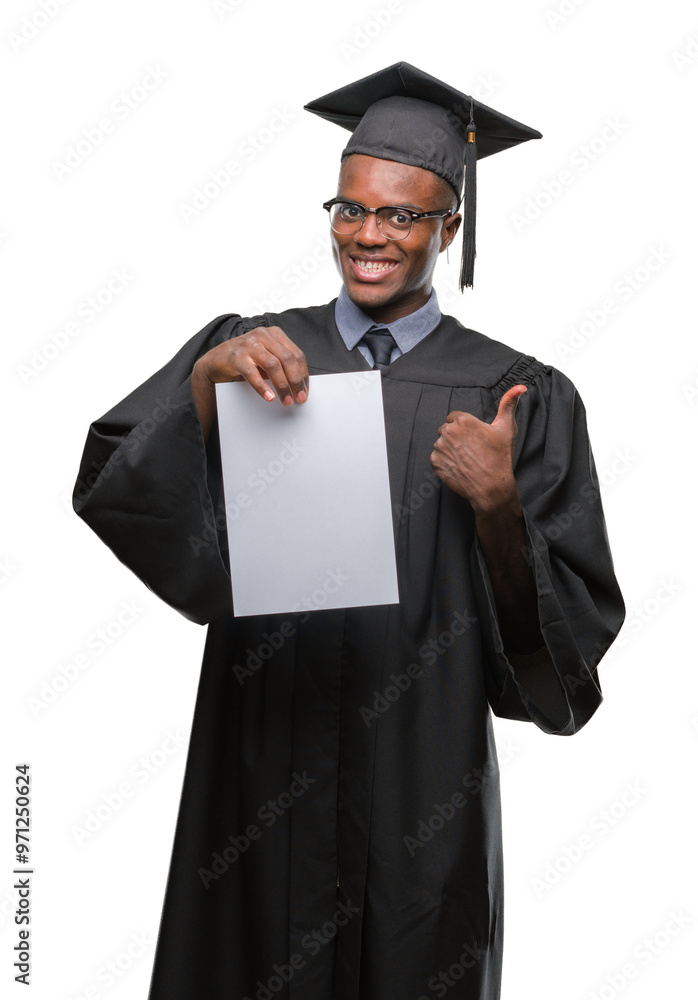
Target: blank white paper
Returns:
[[307, 496]]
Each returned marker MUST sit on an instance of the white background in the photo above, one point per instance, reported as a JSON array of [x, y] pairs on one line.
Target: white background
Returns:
[[566, 68]]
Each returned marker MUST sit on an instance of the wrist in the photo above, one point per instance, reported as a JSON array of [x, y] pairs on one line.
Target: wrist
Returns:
[[500, 504], [201, 377]]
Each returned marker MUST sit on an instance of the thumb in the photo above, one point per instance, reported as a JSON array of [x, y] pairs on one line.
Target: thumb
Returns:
[[508, 404]]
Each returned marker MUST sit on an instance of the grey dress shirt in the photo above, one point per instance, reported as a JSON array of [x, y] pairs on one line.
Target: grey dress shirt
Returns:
[[407, 332]]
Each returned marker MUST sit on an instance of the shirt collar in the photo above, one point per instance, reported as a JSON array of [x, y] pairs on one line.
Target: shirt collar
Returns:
[[407, 331]]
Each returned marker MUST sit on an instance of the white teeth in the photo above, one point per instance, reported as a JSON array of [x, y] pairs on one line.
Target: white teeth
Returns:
[[371, 265]]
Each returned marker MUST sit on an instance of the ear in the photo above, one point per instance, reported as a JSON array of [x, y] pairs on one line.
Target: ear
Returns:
[[450, 227]]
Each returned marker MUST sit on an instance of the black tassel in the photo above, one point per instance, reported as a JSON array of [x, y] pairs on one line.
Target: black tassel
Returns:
[[467, 267]]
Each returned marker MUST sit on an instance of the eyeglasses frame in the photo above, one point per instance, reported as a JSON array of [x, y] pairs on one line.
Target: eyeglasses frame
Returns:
[[414, 216]]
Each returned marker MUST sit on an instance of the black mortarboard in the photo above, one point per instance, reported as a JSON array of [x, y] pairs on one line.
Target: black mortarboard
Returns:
[[401, 113]]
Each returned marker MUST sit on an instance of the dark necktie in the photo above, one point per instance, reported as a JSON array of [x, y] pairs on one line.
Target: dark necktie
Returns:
[[380, 343]]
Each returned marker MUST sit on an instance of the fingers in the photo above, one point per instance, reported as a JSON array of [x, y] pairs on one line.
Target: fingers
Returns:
[[505, 411], [459, 422], [251, 373], [508, 404], [458, 417], [264, 353], [285, 365]]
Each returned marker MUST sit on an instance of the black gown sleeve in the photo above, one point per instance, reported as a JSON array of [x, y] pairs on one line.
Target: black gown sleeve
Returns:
[[150, 487], [580, 605]]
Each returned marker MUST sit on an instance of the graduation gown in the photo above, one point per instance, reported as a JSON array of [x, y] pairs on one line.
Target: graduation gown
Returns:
[[339, 830]]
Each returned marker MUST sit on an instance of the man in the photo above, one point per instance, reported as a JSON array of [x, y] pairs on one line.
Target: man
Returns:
[[339, 832]]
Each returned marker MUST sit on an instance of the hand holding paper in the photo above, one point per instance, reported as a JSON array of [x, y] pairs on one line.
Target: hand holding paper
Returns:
[[264, 352]]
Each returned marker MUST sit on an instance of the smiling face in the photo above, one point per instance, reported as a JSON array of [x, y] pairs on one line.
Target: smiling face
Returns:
[[391, 278]]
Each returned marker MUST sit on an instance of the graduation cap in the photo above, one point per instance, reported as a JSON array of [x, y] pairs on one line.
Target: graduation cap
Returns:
[[401, 113]]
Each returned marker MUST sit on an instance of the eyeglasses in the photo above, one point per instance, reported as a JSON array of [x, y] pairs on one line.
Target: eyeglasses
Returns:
[[395, 223]]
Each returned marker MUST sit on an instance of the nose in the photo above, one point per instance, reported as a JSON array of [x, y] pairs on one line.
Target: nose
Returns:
[[370, 235]]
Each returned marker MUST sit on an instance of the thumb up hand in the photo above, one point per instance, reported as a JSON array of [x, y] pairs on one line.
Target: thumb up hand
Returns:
[[475, 458]]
